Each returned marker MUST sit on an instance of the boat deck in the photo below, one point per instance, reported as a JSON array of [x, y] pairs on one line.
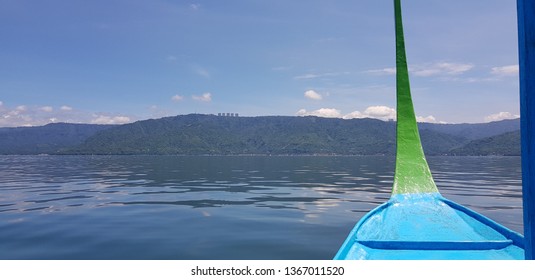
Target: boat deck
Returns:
[[428, 226]]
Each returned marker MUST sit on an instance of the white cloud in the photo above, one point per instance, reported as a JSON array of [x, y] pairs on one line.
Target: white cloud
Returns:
[[384, 71], [301, 112], [386, 114], [441, 68], [29, 115], [205, 97], [195, 6], [355, 115], [323, 112], [103, 119], [306, 76], [380, 112], [18, 111], [19, 116], [454, 68], [501, 116], [509, 70], [428, 119], [375, 112], [177, 98], [322, 75], [430, 69], [311, 94], [1, 103], [425, 72], [47, 109]]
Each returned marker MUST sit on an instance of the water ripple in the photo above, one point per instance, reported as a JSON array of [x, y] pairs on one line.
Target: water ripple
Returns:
[[89, 207]]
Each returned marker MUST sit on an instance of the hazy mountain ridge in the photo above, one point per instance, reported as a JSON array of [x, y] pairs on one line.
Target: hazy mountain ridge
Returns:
[[474, 131], [494, 145], [277, 135], [45, 139]]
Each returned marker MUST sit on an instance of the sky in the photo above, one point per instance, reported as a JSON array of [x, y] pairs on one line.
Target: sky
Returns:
[[120, 61]]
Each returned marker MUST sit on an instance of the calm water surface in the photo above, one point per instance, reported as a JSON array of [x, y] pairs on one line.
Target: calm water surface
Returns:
[[244, 207]]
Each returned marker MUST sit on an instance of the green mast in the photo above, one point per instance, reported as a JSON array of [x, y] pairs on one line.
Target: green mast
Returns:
[[412, 172]]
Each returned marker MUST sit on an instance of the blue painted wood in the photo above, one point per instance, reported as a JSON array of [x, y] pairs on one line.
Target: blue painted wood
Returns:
[[429, 226], [437, 245], [526, 47]]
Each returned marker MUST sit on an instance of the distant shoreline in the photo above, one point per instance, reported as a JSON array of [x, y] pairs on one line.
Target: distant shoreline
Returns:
[[236, 155]]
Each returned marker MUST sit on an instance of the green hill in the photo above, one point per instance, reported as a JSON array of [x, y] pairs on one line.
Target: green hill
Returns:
[[473, 131], [277, 135], [46, 139], [207, 134], [506, 144]]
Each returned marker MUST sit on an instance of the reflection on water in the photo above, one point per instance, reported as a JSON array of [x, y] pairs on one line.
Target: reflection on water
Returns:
[[167, 207]]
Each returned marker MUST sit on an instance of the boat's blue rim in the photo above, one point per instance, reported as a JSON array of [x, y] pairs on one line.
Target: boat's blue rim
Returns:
[[436, 245], [514, 238], [517, 238]]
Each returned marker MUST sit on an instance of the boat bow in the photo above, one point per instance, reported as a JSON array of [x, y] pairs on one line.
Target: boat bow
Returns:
[[417, 222]]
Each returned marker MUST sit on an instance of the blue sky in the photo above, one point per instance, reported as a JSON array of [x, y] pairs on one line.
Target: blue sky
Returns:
[[114, 61]]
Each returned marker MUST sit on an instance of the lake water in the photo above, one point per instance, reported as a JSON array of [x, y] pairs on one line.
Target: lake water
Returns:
[[242, 207]]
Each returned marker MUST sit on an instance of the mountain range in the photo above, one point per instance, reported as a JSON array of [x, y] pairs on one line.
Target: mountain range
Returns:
[[197, 134]]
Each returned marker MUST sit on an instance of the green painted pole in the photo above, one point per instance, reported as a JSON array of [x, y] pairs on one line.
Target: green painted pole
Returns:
[[526, 53], [412, 171]]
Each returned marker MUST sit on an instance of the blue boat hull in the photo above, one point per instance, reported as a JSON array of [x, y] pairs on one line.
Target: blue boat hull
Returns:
[[428, 226]]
